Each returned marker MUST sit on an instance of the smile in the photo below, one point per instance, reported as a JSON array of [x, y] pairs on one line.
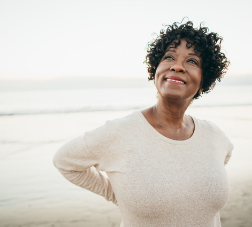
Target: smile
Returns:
[[174, 81]]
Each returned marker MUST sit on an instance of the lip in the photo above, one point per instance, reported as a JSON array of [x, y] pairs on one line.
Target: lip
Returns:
[[175, 78]]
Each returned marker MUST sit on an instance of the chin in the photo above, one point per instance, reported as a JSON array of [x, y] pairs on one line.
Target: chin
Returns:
[[175, 97], [172, 96]]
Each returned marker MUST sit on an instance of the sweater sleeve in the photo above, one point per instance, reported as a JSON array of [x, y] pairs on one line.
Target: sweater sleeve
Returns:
[[222, 140], [78, 165], [230, 147]]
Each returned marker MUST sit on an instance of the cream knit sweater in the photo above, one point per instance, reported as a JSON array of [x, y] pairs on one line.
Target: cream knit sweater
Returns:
[[154, 180]]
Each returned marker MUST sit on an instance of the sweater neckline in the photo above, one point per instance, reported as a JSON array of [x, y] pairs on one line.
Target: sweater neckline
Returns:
[[159, 135]]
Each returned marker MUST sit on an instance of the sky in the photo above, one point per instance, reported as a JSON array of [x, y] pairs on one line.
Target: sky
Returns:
[[47, 39]]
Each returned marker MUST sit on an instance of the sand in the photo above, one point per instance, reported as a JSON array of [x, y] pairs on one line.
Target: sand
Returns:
[[33, 193]]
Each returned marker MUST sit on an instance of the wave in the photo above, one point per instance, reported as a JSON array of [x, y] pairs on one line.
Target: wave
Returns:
[[106, 108], [66, 111]]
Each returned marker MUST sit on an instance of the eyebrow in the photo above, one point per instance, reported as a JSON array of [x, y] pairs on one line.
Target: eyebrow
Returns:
[[171, 50], [194, 54]]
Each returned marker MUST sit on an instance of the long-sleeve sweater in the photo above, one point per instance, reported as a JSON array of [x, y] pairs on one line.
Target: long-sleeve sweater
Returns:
[[154, 180]]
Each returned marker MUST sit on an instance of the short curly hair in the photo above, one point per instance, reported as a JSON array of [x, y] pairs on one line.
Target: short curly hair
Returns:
[[208, 45]]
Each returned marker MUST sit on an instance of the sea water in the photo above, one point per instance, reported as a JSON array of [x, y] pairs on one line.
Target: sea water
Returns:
[[74, 101]]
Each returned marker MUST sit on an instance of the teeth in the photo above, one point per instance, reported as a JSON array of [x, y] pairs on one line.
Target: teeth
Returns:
[[176, 81]]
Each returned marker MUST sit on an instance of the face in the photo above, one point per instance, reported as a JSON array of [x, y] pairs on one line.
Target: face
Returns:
[[178, 75]]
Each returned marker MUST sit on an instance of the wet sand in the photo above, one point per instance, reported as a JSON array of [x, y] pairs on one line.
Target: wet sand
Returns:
[[33, 193]]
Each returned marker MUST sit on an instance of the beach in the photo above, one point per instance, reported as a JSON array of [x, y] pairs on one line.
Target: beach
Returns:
[[33, 192], [68, 67]]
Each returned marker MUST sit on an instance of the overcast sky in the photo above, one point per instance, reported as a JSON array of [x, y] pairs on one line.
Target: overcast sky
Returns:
[[55, 38]]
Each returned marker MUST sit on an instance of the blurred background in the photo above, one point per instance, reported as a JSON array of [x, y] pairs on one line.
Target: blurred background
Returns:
[[67, 67]]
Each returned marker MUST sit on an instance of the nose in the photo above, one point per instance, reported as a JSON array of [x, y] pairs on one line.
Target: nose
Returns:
[[177, 67]]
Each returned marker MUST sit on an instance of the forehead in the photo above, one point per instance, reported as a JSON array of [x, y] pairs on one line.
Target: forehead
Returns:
[[183, 47], [181, 44]]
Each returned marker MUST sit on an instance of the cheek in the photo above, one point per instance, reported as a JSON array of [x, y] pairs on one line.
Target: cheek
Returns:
[[157, 76], [160, 69], [155, 83], [200, 77], [197, 76]]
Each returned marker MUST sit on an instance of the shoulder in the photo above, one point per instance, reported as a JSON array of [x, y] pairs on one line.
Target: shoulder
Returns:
[[125, 121], [112, 126], [112, 130], [216, 135], [209, 127]]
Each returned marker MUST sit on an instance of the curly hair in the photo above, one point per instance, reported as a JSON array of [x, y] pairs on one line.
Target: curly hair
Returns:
[[208, 45]]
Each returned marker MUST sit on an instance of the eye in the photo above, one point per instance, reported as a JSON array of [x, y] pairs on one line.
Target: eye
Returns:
[[193, 61], [168, 57]]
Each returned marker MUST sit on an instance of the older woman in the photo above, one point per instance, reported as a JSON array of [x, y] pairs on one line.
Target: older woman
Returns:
[[164, 168]]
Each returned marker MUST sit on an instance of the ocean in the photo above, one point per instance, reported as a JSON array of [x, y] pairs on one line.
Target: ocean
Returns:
[[113, 99]]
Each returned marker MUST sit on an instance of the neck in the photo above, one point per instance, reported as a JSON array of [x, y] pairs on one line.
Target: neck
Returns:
[[171, 112]]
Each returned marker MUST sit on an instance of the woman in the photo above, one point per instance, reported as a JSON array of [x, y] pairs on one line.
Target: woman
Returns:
[[164, 168]]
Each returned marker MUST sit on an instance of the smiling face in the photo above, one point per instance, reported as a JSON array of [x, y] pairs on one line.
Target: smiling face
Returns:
[[178, 75]]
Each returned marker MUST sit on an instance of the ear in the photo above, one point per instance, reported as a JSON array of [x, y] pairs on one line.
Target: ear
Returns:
[[200, 91]]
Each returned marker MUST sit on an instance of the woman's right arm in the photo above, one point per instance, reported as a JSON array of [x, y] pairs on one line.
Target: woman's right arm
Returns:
[[78, 165]]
